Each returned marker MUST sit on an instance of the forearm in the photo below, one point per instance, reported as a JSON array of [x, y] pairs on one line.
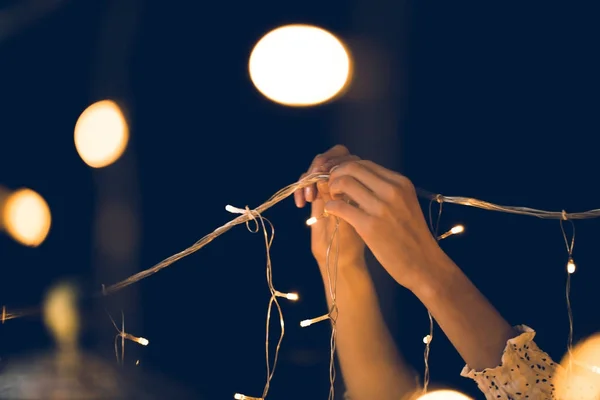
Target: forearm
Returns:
[[371, 364], [475, 328]]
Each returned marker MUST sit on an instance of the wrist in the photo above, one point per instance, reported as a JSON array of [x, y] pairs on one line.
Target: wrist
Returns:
[[344, 267], [436, 278]]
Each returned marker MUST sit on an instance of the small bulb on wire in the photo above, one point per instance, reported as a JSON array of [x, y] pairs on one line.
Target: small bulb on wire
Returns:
[[309, 322], [427, 339], [314, 220], [454, 231], [571, 265], [289, 296]]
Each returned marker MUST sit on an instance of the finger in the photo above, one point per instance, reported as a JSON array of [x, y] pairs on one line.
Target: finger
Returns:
[[352, 215], [350, 188], [384, 172], [323, 186], [310, 192], [299, 196], [383, 188], [317, 208]]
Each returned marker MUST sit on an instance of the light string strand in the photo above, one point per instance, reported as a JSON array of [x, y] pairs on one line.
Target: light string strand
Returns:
[[471, 202], [429, 338], [288, 191], [332, 315], [124, 335], [259, 221], [570, 270]]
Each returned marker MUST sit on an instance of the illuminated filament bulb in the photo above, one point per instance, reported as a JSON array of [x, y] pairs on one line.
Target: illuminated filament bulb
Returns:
[[239, 396], [139, 340], [309, 322], [454, 231], [427, 339], [289, 296], [571, 265]]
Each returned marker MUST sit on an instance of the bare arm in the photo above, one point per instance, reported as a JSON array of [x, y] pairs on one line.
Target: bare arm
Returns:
[[371, 364], [475, 328]]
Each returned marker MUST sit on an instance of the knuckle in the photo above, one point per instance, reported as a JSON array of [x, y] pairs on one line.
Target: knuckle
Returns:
[[405, 182], [344, 182], [319, 160], [340, 148]]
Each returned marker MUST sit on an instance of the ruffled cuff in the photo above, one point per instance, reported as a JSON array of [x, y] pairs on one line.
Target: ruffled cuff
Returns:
[[525, 370]]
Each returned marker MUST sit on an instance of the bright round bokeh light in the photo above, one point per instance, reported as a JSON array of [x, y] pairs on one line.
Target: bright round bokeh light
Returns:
[[101, 134], [299, 65], [26, 217], [579, 377], [444, 395]]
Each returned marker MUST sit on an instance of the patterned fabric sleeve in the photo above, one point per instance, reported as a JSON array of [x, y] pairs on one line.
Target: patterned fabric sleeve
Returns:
[[525, 371]]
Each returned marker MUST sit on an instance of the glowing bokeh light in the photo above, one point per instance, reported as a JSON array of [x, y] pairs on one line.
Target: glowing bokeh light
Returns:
[[579, 375], [26, 217], [101, 134], [444, 395], [299, 65]]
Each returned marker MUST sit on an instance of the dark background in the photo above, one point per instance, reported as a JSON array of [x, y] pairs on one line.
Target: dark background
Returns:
[[496, 101]]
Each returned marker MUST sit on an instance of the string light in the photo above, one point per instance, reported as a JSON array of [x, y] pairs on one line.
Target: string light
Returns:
[[124, 336], [454, 231], [309, 322], [570, 270], [313, 220], [259, 221], [249, 215]]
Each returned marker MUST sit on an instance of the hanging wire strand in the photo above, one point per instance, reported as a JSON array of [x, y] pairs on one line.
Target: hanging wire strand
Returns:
[[124, 335], [429, 338], [333, 312], [261, 224], [569, 245]]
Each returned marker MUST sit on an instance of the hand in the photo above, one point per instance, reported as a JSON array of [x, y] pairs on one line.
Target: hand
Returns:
[[388, 217], [352, 247]]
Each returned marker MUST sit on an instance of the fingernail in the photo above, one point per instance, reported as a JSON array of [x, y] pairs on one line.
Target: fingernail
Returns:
[[333, 168], [308, 193]]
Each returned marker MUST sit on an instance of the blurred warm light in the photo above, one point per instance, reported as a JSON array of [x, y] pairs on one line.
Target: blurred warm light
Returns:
[[427, 339], [61, 316], [444, 395], [101, 134], [299, 65], [579, 377], [26, 217]]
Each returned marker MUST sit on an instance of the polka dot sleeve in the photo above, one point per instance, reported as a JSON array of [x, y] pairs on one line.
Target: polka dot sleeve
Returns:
[[525, 371]]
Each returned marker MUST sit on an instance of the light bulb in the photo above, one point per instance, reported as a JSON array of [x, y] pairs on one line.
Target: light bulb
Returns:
[[292, 296], [311, 221], [427, 339], [571, 266], [457, 229]]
